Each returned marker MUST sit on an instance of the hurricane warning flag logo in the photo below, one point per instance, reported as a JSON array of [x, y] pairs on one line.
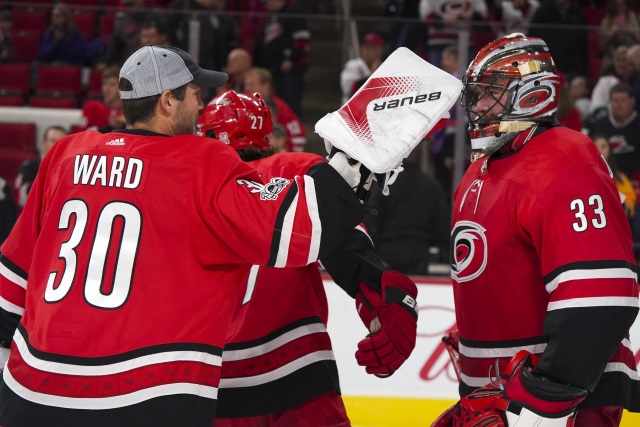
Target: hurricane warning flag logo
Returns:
[[469, 257]]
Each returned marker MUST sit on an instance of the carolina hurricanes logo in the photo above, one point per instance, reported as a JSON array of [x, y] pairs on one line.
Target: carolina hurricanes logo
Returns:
[[454, 7], [469, 251], [534, 97], [354, 112], [267, 191]]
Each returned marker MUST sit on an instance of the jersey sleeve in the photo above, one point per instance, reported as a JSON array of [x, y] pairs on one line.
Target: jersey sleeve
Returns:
[[354, 261], [281, 221], [582, 238]]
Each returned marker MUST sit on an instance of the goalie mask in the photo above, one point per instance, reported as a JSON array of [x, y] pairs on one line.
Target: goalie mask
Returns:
[[237, 119], [510, 86]]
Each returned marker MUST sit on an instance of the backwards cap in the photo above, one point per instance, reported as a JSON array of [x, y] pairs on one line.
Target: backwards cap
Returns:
[[153, 69]]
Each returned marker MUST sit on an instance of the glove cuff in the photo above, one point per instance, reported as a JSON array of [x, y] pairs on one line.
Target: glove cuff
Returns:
[[540, 395], [399, 289]]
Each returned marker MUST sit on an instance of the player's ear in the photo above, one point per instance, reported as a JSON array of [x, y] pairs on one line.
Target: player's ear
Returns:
[[166, 102]]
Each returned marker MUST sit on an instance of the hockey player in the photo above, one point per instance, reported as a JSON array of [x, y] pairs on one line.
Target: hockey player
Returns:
[[542, 266], [278, 369], [121, 276]]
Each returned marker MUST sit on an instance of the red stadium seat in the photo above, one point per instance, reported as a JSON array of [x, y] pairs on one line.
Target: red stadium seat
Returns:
[[18, 136], [11, 100], [26, 47], [86, 24], [10, 161], [15, 78], [59, 80], [53, 102], [595, 66], [94, 87], [107, 22], [29, 21], [593, 15]]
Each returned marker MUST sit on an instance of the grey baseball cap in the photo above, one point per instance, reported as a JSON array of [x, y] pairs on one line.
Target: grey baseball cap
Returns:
[[153, 69]]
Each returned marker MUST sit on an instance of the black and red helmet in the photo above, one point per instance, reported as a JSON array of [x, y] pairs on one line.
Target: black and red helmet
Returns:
[[238, 119], [511, 84]]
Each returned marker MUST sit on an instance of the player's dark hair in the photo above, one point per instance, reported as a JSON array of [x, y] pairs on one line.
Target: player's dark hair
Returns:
[[252, 153], [142, 109], [55, 127]]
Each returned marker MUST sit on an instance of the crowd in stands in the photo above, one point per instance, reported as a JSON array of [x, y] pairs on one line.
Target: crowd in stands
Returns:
[[67, 55]]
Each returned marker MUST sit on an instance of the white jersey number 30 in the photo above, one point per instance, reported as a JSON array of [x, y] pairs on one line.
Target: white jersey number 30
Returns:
[[595, 206]]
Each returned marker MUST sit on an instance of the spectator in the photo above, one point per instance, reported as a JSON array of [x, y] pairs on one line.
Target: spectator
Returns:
[[260, 80], [7, 51], [125, 38], [622, 181], [8, 210], [408, 32], [139, 237], [442, 142], [357, 70], [619, 27], [581, 95], [561, 24], [618, 72], [513, 16], [260, 335], [106, 115], [154, 33], [444, 22], [239, 61], [621, 127], [412, 219], [283, 49], [62, 43], [633, 57], [567, 113], [217, 31], [29, 169]]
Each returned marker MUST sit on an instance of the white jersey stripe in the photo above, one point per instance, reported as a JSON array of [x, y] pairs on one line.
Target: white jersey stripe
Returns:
[[285, 234], [12, 277], [475, 381], [108, 402], [259, 350], [10, 307], [251, 283], [314, 215], [603, 273], [114, 368], [484, 353], [611, 367], [593, 302], [281, 372], [621, 367]]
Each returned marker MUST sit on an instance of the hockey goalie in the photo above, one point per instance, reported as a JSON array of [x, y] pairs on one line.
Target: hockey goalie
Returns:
[[544, 279]]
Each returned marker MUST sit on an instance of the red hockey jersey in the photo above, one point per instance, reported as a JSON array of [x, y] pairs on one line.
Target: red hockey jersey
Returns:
[[278, 353], [542, 261], [125, 267], [296, 132]]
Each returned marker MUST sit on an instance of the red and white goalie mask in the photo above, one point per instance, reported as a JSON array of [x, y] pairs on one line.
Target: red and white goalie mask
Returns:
[[509, 86]]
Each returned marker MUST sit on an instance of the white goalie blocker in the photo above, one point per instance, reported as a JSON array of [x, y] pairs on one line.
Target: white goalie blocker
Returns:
[[399, 104]]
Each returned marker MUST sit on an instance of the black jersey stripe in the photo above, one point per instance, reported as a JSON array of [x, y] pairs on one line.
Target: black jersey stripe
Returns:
[[275, 334], [116, 358], [589, 265], [277, 229], [11, 266]]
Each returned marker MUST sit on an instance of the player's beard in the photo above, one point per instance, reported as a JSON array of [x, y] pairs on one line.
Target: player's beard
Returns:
[[185, 122]]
